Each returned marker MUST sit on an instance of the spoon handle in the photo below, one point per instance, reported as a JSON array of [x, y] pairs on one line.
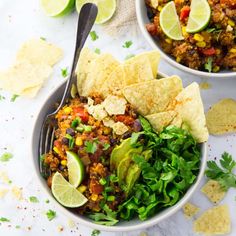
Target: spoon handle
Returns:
[[86, 21]]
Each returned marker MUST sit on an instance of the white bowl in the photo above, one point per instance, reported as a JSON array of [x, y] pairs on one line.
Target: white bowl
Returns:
[[141, 12], [136, 224]]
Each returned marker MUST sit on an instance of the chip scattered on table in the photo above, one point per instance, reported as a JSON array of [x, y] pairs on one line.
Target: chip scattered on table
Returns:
[[190, 210], [214, 221], [221, 117], [214, 191]]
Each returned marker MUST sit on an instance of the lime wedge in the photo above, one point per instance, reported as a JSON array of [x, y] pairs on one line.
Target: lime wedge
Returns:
[[75, 169], [57, 7], [199, 16], [106, 9], [169, 21], [65, 193]]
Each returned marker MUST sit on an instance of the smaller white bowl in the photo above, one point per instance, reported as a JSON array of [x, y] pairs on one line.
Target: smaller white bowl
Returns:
[[141, 12]]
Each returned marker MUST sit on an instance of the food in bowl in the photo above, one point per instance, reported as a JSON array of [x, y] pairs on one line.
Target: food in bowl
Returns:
[[119, 154], [205, 28]]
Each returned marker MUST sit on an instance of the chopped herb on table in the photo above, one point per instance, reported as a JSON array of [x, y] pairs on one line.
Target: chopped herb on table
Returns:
[[42, 38], [97, 50], [33, 199], [17, 227], [14, 97], [51, 214], [95, 232], [127, 44], [47, 201], [3, 219], [6, 156], [64, 72], [93, 35], [223, 172]]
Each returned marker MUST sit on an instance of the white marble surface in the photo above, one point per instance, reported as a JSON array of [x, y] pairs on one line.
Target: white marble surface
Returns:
[[21, 20]]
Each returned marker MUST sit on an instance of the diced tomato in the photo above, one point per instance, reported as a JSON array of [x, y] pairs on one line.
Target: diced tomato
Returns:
[[184, 12], [95, 187], [57, 143], [81, 113], [151, 28], [209, 51], [128, 120]]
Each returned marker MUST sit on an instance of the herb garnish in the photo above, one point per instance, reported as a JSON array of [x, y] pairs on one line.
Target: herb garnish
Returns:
[[127, 44], [2, 98], [223, 173], [64, 72], [6, 157], [71, 141], [42, 38], [208, 65], [14, 97], [95, 232], [3, 219], [93, 35], [106, 146], [90, 147], [33, 199], [51, 214], [97, 50]]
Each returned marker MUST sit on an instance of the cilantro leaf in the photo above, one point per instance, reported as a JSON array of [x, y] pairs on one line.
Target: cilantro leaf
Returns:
[[127, 44], [222, 173], [43, 38], [6, 156], [97, 50], [64, 72], [33, 199], [106, 146], [208, 64], [3, 219], [93, 35], [51, 214], [2, 98], [14, 97], [95, 232], [90, 147]]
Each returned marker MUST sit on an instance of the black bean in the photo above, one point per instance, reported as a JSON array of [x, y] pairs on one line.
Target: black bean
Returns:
[[83, 99], [65, 141], [61, 167], [113, 141], [126, 135], [70, 131], [137, 126]]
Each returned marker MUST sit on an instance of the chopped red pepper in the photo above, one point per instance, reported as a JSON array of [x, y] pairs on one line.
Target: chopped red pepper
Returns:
[[127, 120], [184, 12], [81, 113], [209, 51]]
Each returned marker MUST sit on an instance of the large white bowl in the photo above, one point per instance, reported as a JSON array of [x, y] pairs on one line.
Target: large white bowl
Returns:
[[141, 12], [135, 224]]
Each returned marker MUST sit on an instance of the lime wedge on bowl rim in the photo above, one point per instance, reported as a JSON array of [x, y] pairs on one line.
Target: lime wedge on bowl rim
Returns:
[[169, 21], [199, 16], [57, 8], [65, 193], [106, 9], [75, 169]]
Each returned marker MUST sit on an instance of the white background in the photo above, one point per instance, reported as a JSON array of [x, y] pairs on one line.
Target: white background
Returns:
[[22, 20]]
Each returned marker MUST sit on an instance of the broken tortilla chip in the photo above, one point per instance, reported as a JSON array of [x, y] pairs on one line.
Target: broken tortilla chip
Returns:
[[189, 106], [153, 96], [190, 210], [38, 51], [114, 105], [221, 117]]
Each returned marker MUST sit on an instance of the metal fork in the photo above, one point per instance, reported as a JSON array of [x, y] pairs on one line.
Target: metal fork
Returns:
[[86, 20]]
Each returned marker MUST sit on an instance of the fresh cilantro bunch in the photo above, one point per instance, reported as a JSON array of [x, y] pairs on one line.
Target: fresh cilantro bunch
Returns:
[[223, 173]]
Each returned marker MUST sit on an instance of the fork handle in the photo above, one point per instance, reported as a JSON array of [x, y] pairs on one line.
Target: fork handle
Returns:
[[87, 17]]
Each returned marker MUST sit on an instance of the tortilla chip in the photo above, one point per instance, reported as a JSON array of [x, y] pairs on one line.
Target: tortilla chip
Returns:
[[114, 105], [153, 58], [83, 67], [99, 71], [119, 128], [215, 220], [153, 96], [31, 92], [177, 121], [221, 118], [24, 75], [213, 190], [190, 108], [160, 120], [190, 210], [114, 83], [38, 51]]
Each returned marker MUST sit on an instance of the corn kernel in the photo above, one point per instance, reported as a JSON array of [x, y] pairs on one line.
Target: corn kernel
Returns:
[[169, 41], [216, 69], [64, 162], [94, 197], [55, 149], [82, 188], [79, 141], [198, 37], [178, 59], [201, 44], [184, 32], [231, 23], [232, 50], [67, 110], [106, 130], [218, 51], [159, 8]]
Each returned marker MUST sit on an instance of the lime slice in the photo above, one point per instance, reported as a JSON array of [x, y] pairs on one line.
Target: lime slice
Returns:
[[199, 16], [75, 169], [106, 9], [169, 21], [57, 7], [65, 193]]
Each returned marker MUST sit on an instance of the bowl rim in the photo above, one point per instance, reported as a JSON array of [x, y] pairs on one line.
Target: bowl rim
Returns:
[[167, 58], [77, 218]]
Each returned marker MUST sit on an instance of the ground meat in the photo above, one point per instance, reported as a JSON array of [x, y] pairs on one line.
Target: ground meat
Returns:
[[226, 38]]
